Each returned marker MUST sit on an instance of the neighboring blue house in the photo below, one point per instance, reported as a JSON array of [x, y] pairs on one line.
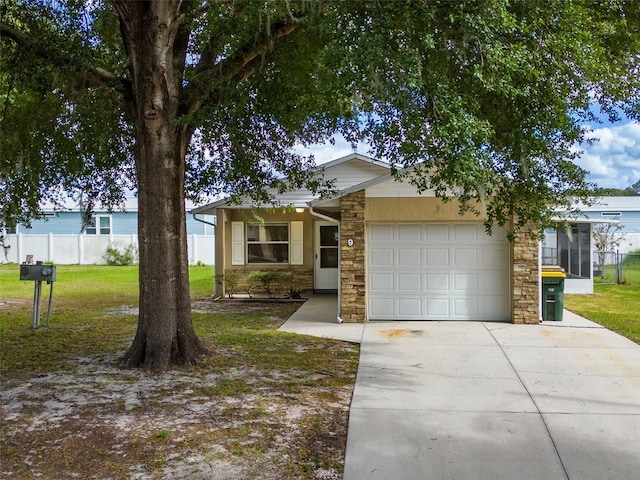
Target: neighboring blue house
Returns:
[[102, 222], [624, 209]]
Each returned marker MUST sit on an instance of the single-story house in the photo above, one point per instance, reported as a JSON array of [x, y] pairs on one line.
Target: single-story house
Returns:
[[388, 251], [572, 247]]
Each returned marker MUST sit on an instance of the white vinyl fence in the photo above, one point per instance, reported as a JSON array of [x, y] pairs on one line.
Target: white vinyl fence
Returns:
[[65, 249]]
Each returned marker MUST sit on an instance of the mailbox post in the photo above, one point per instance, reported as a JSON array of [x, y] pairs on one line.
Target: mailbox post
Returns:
[[39, 273]]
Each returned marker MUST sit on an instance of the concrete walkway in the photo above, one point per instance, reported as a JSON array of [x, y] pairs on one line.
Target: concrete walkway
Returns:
[[479, 400]]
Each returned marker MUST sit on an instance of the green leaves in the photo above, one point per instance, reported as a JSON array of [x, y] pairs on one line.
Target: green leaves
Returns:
[[488, 95]]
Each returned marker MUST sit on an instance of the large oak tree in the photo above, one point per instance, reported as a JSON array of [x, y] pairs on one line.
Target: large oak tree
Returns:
[[176, 99]]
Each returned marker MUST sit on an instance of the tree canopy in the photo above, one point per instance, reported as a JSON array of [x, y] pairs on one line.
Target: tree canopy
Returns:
[[630, 191], [484, 99], [488, 95]]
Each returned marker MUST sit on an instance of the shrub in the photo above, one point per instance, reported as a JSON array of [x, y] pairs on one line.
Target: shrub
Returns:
[[229, 281], [294, 293], [115, 257], [265, 279]]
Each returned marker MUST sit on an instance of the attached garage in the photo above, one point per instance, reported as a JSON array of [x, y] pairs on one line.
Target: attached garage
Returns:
[[437, 271]]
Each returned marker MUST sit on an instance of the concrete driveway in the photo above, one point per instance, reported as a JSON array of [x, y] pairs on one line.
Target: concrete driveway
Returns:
[[471, 400]]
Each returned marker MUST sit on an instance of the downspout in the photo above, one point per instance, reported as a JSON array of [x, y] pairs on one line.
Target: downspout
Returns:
[[337, 222], [201, 220]]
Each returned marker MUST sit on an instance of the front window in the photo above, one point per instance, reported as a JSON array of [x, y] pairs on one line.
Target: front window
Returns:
[[268, 243], [99, 225]]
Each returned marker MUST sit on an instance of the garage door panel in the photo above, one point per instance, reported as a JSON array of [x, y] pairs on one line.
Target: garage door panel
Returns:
[[495, 256], [410, 257], [409, 282], [493, 283], [436, 257], [381, 233], [465, 283], [437, 308], [465, 257], [436, 233], [382, 282], [465, 308], [410, 307], [437, 272], [381, 257], [465, 233], [409, 233], [494, 308], [383, 307], [437, 282]]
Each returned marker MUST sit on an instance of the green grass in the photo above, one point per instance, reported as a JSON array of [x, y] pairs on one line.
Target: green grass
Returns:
[[86, 317], [616, 307], [630, 275], [90, 317]]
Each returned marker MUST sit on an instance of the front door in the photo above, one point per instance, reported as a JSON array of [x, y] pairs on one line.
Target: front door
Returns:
[[326, 256]]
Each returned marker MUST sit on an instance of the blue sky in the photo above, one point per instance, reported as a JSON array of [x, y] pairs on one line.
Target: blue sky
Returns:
[[613, 161]]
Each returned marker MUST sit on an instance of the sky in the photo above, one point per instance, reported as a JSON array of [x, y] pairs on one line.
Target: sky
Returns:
[[612, 162]]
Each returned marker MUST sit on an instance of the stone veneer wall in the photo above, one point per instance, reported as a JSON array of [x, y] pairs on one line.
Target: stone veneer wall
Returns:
[[290, 277], [525, 278], [352, 258]]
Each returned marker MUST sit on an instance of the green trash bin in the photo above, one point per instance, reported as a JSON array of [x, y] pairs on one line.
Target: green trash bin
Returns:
[[552, 294]]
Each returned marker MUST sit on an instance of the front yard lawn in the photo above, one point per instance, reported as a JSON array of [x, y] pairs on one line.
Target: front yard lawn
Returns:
[[616, 307], [265, 404]]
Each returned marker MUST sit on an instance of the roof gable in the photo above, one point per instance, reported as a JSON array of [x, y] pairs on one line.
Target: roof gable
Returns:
[[347, 171]]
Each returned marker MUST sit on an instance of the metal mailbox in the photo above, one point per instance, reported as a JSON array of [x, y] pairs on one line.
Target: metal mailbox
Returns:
[[39, 273]]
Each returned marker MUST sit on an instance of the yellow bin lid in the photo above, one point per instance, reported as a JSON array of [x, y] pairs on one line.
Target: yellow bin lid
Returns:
[[554, 275]]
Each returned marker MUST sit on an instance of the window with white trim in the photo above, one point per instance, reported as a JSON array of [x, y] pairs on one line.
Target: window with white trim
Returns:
[[99, 225], [268, 243]]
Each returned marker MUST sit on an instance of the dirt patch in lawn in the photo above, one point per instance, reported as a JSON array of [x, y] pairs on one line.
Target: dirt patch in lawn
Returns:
[[214, 421]]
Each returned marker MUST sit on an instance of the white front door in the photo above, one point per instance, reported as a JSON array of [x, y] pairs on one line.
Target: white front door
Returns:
[[326, 256]]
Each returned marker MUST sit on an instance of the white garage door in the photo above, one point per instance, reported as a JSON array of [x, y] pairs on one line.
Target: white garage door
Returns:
[[437, 272]]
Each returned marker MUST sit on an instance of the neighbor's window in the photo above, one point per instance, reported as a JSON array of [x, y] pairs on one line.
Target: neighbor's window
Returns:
[[268, 243], [99, 224]]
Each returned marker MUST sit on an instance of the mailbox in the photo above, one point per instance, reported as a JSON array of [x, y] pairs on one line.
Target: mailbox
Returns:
[[39, 273]]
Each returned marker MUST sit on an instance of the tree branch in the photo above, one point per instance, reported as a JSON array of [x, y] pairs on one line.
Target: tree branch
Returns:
[[93, 76], [211, 75]]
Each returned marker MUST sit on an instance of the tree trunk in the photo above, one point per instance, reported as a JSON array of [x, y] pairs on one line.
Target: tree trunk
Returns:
[[165, 332]]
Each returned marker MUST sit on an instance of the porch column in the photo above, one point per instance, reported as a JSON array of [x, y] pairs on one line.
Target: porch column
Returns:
[[352, 258], [525, 278]]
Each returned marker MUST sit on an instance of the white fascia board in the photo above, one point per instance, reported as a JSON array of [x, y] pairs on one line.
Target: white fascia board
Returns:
[[354, 156], [354, 188]]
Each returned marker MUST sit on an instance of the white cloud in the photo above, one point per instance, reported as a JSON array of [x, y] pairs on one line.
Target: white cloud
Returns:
[[614, 160], [325, 152]]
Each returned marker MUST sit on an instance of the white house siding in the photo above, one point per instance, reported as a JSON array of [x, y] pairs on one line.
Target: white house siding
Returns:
[[354, 172], [67, 249]]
